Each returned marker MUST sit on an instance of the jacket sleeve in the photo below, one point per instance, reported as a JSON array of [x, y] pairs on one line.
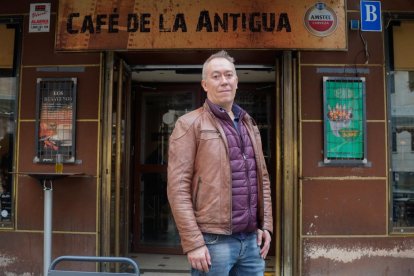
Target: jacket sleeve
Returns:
[[181, 157], [267, 200], [267, 222]]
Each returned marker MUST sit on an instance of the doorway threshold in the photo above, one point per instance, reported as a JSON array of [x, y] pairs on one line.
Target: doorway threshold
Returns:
[[161, 264], [175, 265]]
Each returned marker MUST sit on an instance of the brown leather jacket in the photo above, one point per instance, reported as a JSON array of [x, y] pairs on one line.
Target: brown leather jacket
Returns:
[[199, 178]]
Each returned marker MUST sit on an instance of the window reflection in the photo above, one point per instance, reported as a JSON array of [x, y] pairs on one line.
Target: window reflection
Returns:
[[257, 101], [8, 93], [402, 158], [158, 226], [6, 160], [160, 112]]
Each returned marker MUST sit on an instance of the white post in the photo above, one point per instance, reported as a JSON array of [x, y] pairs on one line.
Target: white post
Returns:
[[47, 226]]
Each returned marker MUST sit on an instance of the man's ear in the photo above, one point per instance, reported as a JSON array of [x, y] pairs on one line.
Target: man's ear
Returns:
[[204, 85]]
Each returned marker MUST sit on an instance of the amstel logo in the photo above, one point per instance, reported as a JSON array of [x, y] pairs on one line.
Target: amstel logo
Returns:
[[320, 20]]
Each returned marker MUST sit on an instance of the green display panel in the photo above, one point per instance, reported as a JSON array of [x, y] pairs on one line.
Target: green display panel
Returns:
[[344, 120]]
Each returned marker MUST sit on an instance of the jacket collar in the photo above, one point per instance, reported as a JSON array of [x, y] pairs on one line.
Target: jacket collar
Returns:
[[221, 113]]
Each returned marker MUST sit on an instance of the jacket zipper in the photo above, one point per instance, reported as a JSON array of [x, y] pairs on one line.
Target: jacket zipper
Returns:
[[198, 190], [228, 159], [249, 186]]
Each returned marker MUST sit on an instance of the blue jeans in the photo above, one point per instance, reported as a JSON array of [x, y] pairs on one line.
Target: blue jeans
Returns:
[[233, 255]]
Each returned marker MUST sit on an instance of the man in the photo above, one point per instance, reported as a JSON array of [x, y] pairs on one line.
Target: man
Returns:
[[218, 184]]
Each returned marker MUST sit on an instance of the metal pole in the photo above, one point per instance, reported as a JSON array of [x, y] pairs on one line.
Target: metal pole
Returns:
[[47, 226]]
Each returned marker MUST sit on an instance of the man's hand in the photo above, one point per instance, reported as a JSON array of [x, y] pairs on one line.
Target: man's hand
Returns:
[[263, 240], [199, 258]]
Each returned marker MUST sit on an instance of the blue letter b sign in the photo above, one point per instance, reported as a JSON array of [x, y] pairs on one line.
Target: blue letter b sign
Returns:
[[371, 16]]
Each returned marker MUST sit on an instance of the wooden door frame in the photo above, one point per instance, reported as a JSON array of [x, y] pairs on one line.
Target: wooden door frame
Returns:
[[121, 245], [287, 251], [106, 174], [289, 171]]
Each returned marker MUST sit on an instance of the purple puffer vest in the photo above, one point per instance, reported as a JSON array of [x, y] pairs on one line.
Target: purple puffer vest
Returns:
[[243, 168]]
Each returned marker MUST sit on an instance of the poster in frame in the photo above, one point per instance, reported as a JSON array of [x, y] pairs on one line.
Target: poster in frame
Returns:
[[344, 111], [55, 119]]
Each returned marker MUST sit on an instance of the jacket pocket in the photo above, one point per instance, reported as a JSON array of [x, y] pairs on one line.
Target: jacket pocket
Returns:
[[209, 154], [208, 134], [207, 203]]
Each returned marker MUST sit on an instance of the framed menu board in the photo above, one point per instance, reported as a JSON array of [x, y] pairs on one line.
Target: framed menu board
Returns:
[[55, 119], [344, 120]]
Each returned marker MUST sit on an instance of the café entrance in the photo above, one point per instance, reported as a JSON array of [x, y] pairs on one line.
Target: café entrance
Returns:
[[159, 88]]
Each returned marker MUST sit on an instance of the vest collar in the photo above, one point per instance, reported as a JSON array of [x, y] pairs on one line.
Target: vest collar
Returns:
[[221, 113]]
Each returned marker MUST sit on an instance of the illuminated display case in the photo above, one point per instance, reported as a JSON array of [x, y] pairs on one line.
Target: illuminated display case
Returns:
[[344, 121], [55, 120]]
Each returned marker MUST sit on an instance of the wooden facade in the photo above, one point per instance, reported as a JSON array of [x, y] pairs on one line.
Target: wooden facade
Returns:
[[340, 214]]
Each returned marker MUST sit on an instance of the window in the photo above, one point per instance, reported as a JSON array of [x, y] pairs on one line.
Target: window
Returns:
[[9, 56], [400, 82]]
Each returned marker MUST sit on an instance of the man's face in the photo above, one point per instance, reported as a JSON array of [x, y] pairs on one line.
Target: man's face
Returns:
[[220, 82]]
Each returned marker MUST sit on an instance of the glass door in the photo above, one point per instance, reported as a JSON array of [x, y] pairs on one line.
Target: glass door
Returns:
[[159, 106]]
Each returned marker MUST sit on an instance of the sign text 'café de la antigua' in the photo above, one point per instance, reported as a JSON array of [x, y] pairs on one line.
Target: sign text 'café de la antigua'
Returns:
[[135, 25]]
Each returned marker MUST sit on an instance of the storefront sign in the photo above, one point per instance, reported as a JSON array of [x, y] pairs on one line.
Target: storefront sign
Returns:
[[344, 120], [201, 24], [371, 16], [321, 20], [39, 17]]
